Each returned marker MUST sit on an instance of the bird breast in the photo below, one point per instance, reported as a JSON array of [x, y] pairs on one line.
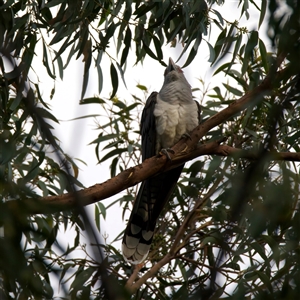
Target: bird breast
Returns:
[[173, 119]]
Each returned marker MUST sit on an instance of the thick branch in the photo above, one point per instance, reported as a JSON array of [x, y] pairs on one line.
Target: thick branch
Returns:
[[224, 150], [151, 273], [134, 175], [122, 181]]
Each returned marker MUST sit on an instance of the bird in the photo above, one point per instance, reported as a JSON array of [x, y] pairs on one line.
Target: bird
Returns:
[[167, 116]]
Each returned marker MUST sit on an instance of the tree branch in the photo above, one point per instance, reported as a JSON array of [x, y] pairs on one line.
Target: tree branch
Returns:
[[151, 273], [134, 175]]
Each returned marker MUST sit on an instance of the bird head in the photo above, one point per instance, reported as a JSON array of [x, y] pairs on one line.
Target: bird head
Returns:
[[172, 67], [174, 73]]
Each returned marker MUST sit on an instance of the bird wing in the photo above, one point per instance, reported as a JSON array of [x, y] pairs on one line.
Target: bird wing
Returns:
[[148, 128], [152, 195], [199, 111]]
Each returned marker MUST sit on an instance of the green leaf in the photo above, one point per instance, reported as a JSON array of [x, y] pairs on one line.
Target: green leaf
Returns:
[[7, 151], [235, 51], [53, 3], [218, 24], [218, 15], [102, 209], [97, 217], [252, 132], [82, 42], [71, 53], [142, 87], [114, 80], [218, 46], [40, 96], [209, 240], [245, 8], [127, 42], [113, 167], [99, 71], [251, 44], [121, 73], [32, 173], [231, 265], [84, 117], [66, 43], [262, 12], [62, 33], [87, 54], [221, 68], [190, 58], [158, 47], [149, 51], [109, 33], [28, 55], [251, 276], [143, 9], [103, 138], [15, 102], [260, 250], [60, 66], [112, 153], [46, 114], [263, 55], [46, 63], [43, 187], [266, 280], [212, 54], [198, 41], [90, 100], [19, 22], [233, 90], [81, 278]]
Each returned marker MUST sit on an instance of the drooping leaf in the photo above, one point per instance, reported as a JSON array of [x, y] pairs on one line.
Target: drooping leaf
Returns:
[[121, 73], [114, 80], [251, 44], [46, 62], [112, 153], [263, 55], [87, 59], [127, 42], [99, 71], [262, 12], [212, 54]]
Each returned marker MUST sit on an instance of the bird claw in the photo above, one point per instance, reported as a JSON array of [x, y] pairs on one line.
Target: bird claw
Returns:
[[186, 136], [166, 151]]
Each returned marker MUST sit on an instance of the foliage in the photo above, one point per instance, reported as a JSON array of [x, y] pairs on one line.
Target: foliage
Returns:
[[240, 218]]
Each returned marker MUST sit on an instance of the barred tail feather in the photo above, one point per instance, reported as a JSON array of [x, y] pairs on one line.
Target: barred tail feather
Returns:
[[151, 198]]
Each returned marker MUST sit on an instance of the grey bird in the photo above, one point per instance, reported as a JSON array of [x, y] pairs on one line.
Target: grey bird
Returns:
[[167, 116]]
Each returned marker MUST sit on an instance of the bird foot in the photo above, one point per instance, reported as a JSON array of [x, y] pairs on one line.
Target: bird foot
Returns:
[[166, 151], [186, 136]]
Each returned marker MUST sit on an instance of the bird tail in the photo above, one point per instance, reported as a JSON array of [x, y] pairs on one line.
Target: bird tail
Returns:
[[152, 197]]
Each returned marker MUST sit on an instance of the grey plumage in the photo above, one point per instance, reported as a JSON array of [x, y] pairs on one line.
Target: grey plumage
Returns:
[[167, 116]]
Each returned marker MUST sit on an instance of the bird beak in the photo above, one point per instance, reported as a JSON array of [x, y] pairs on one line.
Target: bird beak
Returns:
[[171, 66]]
